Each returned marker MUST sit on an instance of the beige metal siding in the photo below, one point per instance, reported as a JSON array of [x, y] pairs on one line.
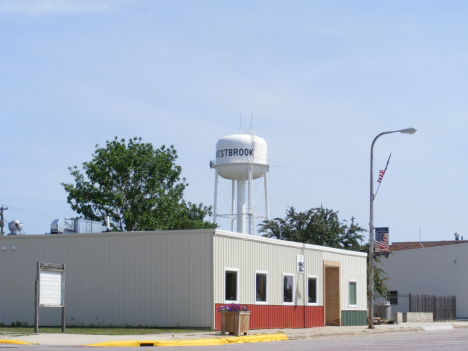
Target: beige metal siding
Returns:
[[145, 278], [352, 268], [248, 254]]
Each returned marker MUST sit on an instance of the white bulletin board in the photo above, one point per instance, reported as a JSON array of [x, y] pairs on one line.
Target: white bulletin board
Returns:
[[50, 289]]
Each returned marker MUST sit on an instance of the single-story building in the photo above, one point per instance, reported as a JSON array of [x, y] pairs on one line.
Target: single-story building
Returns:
[[181, 278], [436, 270]]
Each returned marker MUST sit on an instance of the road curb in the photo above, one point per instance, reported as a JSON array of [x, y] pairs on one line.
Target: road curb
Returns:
[[442, 327], [15, 342], [337, 333], [459, 326], [194, 342]]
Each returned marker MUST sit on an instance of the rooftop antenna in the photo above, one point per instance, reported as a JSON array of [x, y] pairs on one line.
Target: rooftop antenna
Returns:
[[250, 131], [240, 123]]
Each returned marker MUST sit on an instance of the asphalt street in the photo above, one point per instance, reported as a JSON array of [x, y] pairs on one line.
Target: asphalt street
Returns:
[[447, 340], [452, 340]]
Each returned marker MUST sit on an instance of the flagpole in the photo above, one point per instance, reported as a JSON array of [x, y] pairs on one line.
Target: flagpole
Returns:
[[381, 176], [371, 225]]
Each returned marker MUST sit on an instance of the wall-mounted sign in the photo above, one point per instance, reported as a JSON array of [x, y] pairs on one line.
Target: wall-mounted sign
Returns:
[[381, 241], [300, 264]]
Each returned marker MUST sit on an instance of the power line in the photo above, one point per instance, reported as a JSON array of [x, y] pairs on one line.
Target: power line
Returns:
[[30, 212]]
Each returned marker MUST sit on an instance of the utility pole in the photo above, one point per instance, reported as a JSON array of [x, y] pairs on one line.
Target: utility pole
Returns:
[[1, 218]]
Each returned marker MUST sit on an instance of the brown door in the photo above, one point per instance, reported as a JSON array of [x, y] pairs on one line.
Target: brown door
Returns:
[[331, 296]]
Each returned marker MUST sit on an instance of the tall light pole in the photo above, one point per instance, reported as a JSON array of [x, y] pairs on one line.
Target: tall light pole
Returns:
[[371, 225]]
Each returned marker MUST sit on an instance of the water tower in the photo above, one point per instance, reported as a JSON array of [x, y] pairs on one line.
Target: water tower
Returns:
[[241, 158]]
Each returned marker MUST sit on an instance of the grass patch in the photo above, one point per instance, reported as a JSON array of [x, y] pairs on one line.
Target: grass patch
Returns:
[[93, 330]]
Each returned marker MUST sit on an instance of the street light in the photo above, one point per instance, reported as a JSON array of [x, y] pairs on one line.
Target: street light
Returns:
[[371, 225]]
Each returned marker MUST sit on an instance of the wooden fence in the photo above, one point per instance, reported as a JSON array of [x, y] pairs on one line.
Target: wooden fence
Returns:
[[444, 308]]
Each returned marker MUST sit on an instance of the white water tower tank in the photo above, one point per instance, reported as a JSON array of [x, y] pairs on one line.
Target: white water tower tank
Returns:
[[241, 158], [234, 153]]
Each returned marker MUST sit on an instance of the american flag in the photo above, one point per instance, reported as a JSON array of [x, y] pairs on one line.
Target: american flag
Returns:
[[381, 242], [382, 173]]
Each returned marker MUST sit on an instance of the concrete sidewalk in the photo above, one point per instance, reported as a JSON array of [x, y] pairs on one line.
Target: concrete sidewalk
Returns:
[[215, 337]]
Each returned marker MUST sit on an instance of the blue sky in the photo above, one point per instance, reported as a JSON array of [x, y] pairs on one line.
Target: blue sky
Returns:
[[320, 78]]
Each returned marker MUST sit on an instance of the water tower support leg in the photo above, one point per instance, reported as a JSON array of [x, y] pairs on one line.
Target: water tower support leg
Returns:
[[215, 196], [267, 212], [250, 178], [233, 216], [241, 205]]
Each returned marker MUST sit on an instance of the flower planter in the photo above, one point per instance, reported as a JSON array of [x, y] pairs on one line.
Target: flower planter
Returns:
[[235, 323]]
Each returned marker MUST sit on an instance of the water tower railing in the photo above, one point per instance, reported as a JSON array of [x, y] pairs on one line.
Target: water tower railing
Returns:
[[257, 161]]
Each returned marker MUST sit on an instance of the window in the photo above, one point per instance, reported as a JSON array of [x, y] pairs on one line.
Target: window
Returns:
[[312, 289], [393, 297], [230, 284], [352, 293], [260, 287], [288, 290]]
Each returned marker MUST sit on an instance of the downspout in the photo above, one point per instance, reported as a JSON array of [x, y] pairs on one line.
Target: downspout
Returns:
[[304, 288], [213, 312]]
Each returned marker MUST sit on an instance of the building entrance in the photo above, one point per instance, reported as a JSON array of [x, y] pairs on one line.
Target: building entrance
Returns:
[[332, 296]]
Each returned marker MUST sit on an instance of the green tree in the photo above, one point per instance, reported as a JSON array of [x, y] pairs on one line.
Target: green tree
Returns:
[[380, 276], [137, 186], [317, 226], [322, 226]]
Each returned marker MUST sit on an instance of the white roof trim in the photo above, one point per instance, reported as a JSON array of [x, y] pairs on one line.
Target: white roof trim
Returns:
[[103, 234], [261, 239], [421, 249], [215, 232]]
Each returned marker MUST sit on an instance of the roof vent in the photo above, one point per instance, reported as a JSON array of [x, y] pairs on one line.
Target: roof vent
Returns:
[[15, 227], [457, 236]]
